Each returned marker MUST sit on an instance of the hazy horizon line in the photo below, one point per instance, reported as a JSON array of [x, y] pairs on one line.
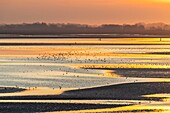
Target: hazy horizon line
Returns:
[[85, 23]]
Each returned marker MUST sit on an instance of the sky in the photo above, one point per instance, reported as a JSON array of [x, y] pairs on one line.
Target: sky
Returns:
[[85, 11]]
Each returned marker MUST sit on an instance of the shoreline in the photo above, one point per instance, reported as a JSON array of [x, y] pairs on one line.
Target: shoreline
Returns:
[[109, 97], [124, 91]]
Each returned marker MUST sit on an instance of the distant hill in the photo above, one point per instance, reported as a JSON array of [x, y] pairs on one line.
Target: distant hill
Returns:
[[69, 30]]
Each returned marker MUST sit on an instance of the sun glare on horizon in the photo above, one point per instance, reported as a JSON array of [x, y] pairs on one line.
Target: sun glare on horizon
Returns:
[[164, 1]]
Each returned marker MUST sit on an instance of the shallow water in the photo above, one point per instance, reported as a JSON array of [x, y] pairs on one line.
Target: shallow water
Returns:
[[51, 66], [83, 66]]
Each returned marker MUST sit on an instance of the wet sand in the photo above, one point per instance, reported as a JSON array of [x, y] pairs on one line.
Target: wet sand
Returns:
[[128, 92], [85, 78], [10, 90], [48, 107], [139, 72]]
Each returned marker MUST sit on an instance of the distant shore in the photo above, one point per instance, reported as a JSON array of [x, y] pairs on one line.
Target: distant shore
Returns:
[[83, 36], [52, 40]]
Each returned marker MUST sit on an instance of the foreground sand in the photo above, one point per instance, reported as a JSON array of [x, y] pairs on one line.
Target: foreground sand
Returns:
[[129, 92]]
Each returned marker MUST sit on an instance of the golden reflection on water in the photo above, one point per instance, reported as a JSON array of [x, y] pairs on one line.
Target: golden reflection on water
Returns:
[[71, 52], [142, 107], [110, 73], [92, 53], [92, 41], [166, 97], [127, 109]]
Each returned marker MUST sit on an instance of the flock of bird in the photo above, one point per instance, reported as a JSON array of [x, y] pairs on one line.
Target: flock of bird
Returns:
[[85, 56]]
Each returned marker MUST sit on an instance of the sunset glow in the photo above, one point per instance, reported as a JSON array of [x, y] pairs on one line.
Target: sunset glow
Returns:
[[85, 11], [166, 1], [80, 56]]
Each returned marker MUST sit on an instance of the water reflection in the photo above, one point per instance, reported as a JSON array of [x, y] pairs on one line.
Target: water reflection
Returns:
[[89, 68]]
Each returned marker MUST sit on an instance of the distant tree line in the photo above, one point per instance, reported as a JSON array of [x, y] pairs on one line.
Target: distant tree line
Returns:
[[58, 29]]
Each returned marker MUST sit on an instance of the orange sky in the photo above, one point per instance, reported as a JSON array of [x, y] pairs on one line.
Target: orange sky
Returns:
[[84, 11]]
